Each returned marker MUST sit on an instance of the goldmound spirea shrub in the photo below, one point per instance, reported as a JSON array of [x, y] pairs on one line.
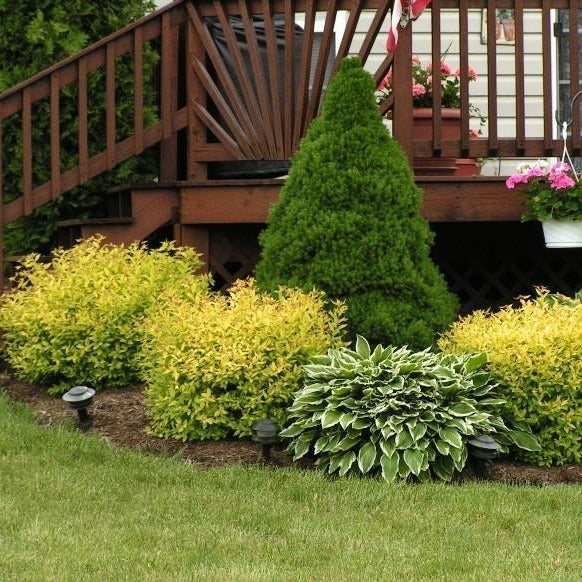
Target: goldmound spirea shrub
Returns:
[[536, 356], [214, 365], [396, 412], [348, 222], [77, 319]]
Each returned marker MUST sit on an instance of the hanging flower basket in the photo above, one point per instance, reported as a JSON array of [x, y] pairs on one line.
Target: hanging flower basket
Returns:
[[560, 234]]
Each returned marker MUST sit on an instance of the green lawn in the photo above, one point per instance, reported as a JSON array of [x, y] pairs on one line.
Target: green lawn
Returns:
[[76, 508]]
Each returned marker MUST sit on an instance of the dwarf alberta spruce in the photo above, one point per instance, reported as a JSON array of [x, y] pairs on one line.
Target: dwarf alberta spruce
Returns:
[[397, 412]]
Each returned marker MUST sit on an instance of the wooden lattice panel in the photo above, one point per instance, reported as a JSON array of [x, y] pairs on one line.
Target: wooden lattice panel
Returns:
[[491, 264]]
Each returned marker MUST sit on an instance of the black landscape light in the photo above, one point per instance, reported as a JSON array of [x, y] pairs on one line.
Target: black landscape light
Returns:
[[265, 433], [482, 449], [80, 398]]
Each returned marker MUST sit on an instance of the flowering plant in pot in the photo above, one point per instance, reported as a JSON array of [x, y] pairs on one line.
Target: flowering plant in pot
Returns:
[[422, 88], [554, 197], [423, 79]]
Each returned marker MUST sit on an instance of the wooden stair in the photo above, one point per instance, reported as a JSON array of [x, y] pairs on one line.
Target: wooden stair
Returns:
[[135, 212]]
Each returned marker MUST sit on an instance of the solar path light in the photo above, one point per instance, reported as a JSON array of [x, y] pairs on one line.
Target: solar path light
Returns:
[[80, 398], [265, 433], [482, 449]]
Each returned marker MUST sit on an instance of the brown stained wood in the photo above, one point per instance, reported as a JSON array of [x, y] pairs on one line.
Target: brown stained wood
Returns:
[[402, 112], [318, 77], [27, 151], [491, 77], [166, 67], [225, 111], [289, 82], [275, 81], [55, 137], [218, 131], [110, 107], [437, 87], [168, 99], [519, 77], [138, 119], [464, 77], [348, 36], [445, 200], [252, 123], [196, 131], [383, 69], [83, 123], [197, 237], [302, 94], [374, 29], [259, 77], [247, 108]]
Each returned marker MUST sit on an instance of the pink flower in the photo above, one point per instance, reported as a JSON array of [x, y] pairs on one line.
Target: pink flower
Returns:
[[473, 133], [429, 79], [429, 67], [559, 178], [418, 90], [415, 60], [516, 179], [471, 74], [445, 69]]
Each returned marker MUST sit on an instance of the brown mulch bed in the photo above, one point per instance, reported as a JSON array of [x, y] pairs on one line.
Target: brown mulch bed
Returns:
[[119, 416]]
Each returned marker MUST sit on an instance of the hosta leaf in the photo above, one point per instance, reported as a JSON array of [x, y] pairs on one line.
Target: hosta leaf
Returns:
[[403, 468], [346, 462], [301, 448], [418, 431], [387, 447], [362, 347], [320, 444], [334, 463], [413, 458], [444, 468], [367, 457], [442, 447], [330, 418], [462, 409], [403, 439], [361, 423], [475, 362], [346, 419], [389, 466], [346, 443], [525, 440], [492, 401], [293, 430], [451, 436]]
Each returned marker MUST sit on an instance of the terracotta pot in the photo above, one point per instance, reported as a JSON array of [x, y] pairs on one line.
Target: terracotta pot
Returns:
[[509, 29], [450, 130]]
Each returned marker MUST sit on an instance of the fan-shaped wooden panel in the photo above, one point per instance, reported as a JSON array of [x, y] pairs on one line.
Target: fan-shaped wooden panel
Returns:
[[266, 65]]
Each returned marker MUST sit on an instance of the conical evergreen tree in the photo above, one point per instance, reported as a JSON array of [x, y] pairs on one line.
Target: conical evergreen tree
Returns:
[[348, 222]]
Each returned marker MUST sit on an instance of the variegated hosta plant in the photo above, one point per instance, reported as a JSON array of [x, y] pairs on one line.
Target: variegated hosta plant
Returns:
[[397, 412]]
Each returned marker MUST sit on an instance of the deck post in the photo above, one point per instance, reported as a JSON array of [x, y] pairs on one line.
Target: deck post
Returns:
[[402, 112]]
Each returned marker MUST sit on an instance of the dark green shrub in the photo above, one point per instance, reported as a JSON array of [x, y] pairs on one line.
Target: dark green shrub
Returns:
[[396, 412], [215, 365], [78, 319], [348, 222], [35, 34], [536, 356]]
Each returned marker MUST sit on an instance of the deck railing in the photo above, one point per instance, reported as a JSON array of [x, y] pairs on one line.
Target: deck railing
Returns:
[[520, 76]]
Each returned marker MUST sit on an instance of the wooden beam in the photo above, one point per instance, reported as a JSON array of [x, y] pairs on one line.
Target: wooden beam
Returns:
[[473, 199]]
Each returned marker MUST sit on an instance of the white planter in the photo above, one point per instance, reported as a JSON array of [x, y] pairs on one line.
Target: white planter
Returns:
[[562, 234]]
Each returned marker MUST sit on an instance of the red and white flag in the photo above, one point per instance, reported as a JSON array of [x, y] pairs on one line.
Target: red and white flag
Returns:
[[415, 8]]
